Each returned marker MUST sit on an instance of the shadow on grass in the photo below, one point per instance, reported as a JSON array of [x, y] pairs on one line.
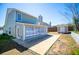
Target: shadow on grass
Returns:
[[7, 45]]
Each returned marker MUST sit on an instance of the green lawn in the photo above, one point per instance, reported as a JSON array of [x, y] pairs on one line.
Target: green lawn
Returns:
[[5, 38], [75, 51], [76, 32]]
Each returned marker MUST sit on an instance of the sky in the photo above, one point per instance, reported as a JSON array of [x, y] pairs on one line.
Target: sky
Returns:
[[49, 11]]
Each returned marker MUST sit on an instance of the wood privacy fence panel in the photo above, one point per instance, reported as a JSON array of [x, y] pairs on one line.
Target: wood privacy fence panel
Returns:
[[52, 29]]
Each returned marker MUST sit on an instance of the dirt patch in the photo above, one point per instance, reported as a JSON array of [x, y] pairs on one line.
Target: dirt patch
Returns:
[[63, 46]]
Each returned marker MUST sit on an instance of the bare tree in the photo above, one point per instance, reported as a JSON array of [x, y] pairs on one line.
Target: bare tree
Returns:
[[74, 12]]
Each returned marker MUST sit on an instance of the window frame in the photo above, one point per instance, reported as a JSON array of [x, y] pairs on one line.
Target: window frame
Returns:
[[18, 16]]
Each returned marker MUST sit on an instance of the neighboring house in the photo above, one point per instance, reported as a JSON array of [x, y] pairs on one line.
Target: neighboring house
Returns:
[[22, 25], [40, 21]]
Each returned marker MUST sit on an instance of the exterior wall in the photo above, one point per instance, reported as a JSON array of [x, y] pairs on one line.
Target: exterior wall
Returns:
[[24, 18], [11, 19], [31, 31], [19, 31], [62, 29], [18, 27], [9, 26], [35, 30], [25, 31]]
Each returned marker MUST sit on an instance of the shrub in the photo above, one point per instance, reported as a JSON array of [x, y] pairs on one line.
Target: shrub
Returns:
[[5, 37]]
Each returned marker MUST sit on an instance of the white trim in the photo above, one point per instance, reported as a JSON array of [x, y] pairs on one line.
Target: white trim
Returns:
[[23, 32]]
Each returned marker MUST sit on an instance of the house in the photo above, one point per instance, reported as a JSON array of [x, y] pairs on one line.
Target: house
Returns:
[[22, 25]]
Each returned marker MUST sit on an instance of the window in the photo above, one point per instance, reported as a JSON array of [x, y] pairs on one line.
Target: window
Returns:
[[18, 16]]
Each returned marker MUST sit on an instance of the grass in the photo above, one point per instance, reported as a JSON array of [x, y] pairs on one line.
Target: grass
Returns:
[[64, 45], [67, 39], [75, 51], [5, 38], [72, 44], [5, 42], [76, 32]]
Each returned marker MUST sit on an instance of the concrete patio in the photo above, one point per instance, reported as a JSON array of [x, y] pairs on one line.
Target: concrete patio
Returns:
[[39, 45]]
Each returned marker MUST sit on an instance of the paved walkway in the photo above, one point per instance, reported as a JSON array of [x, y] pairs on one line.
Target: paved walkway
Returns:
[[42, 46]]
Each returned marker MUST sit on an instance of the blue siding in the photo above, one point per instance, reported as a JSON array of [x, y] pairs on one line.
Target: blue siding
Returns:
[[25, 19]]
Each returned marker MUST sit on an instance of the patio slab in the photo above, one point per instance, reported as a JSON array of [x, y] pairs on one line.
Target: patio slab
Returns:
[[42, 46]]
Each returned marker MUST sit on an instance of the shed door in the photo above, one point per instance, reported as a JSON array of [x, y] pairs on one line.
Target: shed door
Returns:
[[62, 29]]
